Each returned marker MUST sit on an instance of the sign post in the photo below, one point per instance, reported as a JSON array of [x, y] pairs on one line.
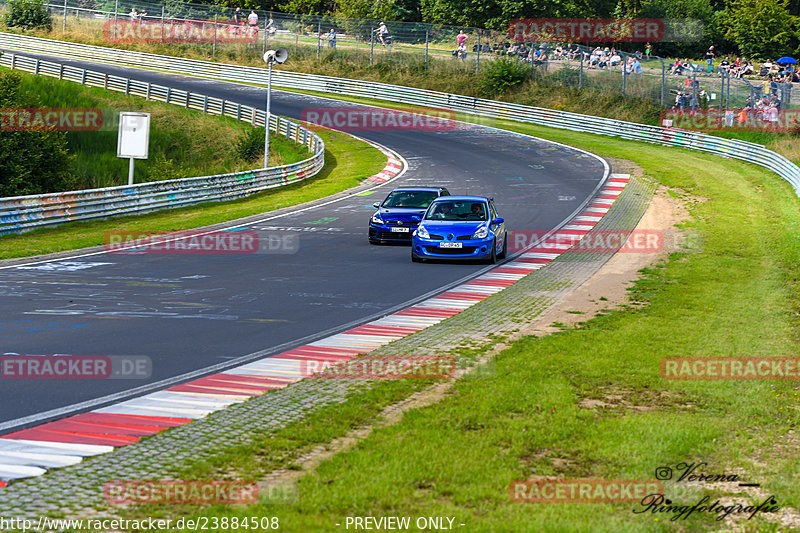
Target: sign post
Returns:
[[133, 141]]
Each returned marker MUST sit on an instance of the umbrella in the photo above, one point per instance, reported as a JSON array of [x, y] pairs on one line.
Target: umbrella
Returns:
[[785, 60]]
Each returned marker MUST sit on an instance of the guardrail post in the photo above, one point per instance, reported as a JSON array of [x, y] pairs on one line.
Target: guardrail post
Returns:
[[83, 76], [205, 103], [188, 97], [147, 93], [169, 93], [238, 112], [13, 61], [105, 81], [36, 67], [127, 86], [61, 71], [222, 113]]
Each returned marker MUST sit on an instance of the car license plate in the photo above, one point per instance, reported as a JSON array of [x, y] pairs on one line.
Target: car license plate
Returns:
[[400, 230], [450, 245]]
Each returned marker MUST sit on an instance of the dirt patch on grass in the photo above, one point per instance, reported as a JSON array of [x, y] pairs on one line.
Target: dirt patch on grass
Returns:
[[608, 287]]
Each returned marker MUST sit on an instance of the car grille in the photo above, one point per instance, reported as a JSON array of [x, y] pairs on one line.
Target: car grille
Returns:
[[391, 236], [464, 237], [450, 251], [436, 237]]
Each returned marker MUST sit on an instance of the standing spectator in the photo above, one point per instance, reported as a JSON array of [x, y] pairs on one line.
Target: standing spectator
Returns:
[[271, 28], [461, 39], [237, 16], [710, 58], [648, 49], [252, 21], [332, 38]]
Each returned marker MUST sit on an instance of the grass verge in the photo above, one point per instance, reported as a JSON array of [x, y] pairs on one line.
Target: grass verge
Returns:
[[347, 162], [738, 297]]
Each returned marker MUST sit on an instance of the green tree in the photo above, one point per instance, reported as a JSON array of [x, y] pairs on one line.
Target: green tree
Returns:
[[677, 10], [761, 28], [28, 14], [31, 162]]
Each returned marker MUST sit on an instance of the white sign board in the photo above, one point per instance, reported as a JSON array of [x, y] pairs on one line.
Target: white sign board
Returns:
[[134, 135]]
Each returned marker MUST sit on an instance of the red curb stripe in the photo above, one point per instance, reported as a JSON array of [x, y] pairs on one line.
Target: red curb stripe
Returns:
[[208, 389], [130, 420], [451, 295], [98, 430], [428, 312], [368, 329], [251, 380], [492, 282], [511, 270], [73, 438], [539, 260]]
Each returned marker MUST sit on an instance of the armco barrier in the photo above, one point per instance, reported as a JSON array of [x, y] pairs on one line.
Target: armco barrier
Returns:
[[23, 213], [750, 152]]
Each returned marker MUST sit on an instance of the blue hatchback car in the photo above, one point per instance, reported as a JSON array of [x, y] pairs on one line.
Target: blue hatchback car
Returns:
[[460, 227], [398, 215]]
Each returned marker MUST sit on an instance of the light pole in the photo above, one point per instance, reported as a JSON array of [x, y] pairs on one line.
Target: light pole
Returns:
[[271, 57]]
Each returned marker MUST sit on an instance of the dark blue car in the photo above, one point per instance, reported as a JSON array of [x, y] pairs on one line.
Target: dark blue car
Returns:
[[397, 216], [460, 227]]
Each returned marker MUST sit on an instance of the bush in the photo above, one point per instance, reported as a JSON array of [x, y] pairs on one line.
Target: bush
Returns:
[[251, 145], [501, 75], [28, 14], [565, 77]]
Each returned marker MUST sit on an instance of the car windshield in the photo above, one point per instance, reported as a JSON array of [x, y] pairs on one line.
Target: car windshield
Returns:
[[457, 210], [410, 199]]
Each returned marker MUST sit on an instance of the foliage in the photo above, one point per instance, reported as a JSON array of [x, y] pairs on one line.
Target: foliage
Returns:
[[501, 75], [31, 162], [250, 145], [762, 28], [28, 14]]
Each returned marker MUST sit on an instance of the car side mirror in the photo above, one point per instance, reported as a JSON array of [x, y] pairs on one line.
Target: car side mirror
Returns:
[[498, 220], [376, 205]]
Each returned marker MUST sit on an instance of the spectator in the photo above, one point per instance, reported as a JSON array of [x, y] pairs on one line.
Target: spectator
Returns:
[[252, 21], [710, 58], [383, 33], [332, 38], [615, 59], [237, 16], [133, 14], [677, 68], [648, 49], [636, 67], [725, 64], [271, 28], [461, 38]]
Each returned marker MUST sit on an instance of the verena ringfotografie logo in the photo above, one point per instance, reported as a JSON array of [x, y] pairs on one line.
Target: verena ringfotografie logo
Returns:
[[243, 241], [376, 119], [597, 241], [75, 367], [730, 368], [381, 367], [183, 31], [583, 490], [180, 492], [50, 119]]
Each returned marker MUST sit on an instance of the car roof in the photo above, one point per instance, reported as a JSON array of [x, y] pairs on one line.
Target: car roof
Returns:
[[432, 189], [463, 198]]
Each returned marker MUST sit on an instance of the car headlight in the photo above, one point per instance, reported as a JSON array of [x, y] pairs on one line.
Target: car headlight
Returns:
[[481, 233], [376, 219], [422, 233]]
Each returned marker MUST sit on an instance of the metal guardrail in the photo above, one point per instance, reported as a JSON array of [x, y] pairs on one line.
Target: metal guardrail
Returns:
[[746, 151], [23, 213]]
